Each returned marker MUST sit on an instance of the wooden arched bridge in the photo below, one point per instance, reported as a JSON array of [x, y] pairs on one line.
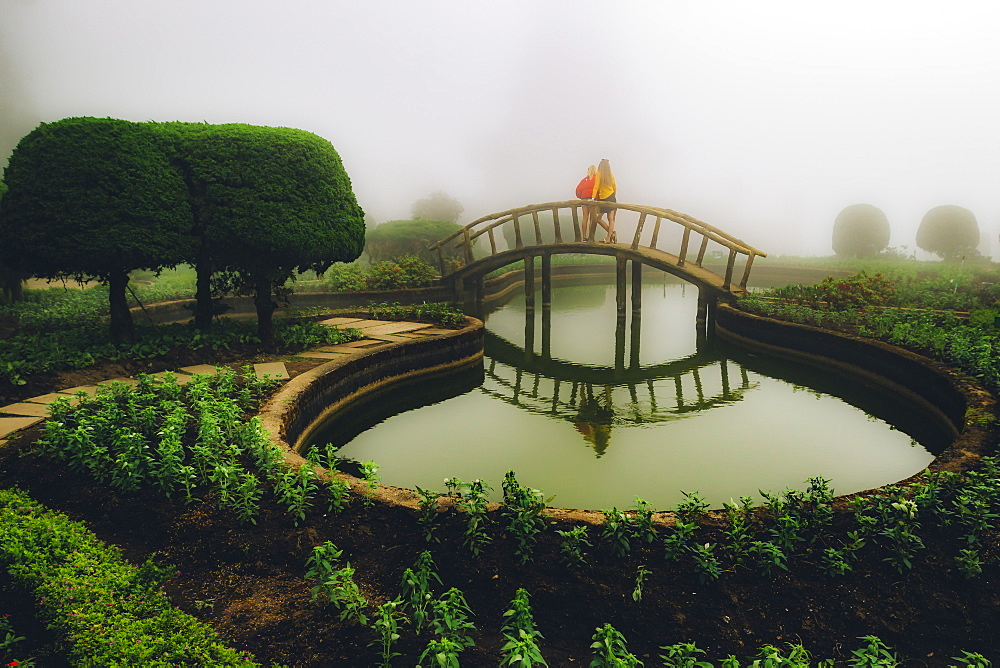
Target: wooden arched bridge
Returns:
[[660, 238]]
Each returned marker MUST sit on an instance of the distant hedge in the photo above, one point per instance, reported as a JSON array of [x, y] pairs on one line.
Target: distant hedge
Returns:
[[396, 238]]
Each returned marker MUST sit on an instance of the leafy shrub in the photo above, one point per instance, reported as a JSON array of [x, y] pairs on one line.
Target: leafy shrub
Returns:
[[396, 238], [445, 315], [403, 273], [108, 613]]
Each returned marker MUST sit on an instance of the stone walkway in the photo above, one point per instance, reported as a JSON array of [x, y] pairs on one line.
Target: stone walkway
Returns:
[[23, 414]]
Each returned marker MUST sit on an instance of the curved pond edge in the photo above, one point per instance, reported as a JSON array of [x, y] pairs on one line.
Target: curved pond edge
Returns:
[[304, 402], [953, 399]]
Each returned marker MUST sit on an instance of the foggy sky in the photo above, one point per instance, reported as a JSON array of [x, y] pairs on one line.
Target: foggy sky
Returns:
[[763, 118]]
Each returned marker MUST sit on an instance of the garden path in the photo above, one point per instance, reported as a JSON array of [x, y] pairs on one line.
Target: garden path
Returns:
[[375, 334]]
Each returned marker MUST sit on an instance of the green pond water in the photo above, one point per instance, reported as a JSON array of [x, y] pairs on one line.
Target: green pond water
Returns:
[[596, 410]]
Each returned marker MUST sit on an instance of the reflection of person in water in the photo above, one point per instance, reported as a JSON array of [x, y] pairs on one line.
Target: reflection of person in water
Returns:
[[594, 418]]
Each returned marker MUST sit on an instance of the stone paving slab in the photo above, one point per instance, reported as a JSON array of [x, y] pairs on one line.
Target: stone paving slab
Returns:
[[395, 328], [91, 390], [391, 337], [46, 398], [272, 369], [336, 322], [364, 324], [131, 382], [181, 378], [8, 425], [436, 331], [363, 343], [325, 355], [200, 369], [25, 409]]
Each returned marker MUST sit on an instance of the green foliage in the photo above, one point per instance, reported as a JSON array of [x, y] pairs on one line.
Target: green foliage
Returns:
[[401, 274], [416, 589], [572, 544], [860, 230], [444, 315], [610, 651], [437, 206], [107, 611], [949, 231], [874, 654], [522, 507], [473, 503], [386, 623], [94, 198], [398, 238], [521, 646]]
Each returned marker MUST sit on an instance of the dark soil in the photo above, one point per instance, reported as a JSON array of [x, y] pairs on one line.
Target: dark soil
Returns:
[[247, 581]]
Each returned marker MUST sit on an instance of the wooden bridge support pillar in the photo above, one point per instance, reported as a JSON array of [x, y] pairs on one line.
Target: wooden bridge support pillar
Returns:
[[529, 282], [546, 332], [636, 286], [620, 285], [705, 317], [529, 335], [546, 280], [633, 356]]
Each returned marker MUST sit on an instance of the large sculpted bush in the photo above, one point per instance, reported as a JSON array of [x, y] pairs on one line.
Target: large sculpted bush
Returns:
[[437, 206], [396, 238], [860, 230], [265, 201], [949, 232], [93, 199]]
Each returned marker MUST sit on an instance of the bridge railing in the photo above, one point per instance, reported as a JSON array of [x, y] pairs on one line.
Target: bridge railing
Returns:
[[692, 246]]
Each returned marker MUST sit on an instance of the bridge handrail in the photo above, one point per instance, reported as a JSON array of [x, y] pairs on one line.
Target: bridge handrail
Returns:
[[499, 218], [465, 236]]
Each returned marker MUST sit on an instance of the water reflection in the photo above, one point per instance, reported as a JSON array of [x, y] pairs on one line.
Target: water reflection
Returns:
[[597, 410]]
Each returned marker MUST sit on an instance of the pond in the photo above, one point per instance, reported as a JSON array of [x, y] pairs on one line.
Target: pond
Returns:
[[597, 410]]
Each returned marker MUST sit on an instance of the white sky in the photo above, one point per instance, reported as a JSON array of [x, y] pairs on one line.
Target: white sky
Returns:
[[763, 118]]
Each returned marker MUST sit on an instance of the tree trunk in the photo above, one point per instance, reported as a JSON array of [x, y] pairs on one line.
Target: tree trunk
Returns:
[[122, 327], [265, 307], [204, 309]]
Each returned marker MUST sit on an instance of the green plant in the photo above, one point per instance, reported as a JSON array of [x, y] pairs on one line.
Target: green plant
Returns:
[[874, 654], [450, 618], [522, 507], [107, 611], [610, 651], [679, 541], [441, 653], [386, 622], [617, 532], [416, 589], [640, 579], [343, 592], [369, 473], [320, 566], [428, 513], [973, 660], [767, 557], [521, 646], [642, 522], [571, 547], [474, 506], [683, 655], [706, 563]]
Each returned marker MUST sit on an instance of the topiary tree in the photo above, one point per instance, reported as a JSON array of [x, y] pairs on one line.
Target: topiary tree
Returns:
[[860, 230], [949, 231], [437, 206], [396, 238], [265, 201], [10, 280], [94, 198]]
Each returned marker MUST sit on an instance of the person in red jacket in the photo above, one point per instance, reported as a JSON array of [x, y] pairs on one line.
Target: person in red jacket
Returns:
[[604, 191]]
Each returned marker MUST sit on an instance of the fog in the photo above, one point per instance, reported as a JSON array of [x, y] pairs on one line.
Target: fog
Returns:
[[763, 118]]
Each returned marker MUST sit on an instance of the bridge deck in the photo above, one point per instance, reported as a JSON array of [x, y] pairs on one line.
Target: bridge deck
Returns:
[[652, 257]]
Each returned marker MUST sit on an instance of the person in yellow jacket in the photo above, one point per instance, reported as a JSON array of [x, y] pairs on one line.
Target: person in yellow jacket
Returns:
[[604, 190]]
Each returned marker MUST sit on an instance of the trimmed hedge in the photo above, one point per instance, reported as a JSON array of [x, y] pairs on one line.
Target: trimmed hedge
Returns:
[[109, 612]]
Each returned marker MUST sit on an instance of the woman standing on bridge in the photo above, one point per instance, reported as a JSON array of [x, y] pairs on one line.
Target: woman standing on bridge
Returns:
[[604, 190]]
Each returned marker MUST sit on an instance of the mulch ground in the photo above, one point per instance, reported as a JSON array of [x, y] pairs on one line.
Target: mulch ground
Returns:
[[247, 581]]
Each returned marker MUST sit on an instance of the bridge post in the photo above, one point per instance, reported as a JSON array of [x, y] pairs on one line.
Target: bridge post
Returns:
[[705, 318], [546, 331], [529, 282], [546, 280], [620, 285], [636, 286], [636, 326], [620, 346]]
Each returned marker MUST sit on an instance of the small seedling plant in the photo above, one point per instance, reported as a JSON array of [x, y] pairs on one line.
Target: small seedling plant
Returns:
[[521, 646], [522, 508], [610, 651], [572, 546], [476, 518], [385, 623], [417, 592]]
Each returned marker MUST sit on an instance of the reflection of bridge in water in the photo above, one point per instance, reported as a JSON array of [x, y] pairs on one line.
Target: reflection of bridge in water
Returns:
[[597, 399]]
